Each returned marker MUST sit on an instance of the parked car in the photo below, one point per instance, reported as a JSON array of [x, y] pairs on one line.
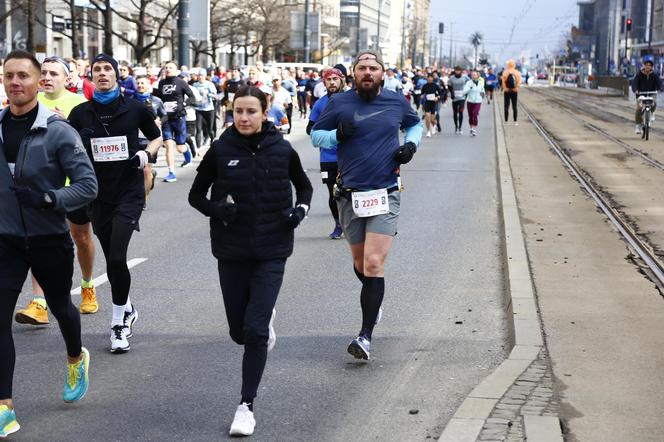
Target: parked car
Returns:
[[542, 76]]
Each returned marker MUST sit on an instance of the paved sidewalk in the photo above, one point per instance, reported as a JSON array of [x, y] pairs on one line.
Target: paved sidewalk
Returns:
[[602, 318]]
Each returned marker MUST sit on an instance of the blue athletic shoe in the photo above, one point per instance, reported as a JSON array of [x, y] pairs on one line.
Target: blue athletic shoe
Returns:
[[170, 178], [187, 159], [336, 233], [8, 423], [77, 382]]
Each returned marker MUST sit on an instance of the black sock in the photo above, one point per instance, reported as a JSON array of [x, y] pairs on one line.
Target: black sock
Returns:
[[359, 275], [371, 297], [249, 402]]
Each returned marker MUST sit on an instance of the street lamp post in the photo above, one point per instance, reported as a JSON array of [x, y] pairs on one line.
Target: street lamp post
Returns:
[[357, 40], [183, 33], [307, 42]]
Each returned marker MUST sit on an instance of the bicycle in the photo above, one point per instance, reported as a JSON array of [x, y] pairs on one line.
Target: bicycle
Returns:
[[646, 101]]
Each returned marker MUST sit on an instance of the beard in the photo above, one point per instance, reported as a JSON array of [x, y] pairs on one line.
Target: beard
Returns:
[[368, 93]]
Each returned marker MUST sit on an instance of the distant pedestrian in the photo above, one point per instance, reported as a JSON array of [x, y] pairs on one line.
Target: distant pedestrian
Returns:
[[510, 80], [456, 84], [473, 90]]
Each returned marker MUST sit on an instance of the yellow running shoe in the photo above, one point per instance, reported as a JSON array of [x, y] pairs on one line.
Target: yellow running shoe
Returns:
[[34, 314], [89, 301]]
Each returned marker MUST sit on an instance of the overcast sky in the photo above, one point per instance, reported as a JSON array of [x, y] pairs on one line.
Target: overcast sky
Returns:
[[508, 27]]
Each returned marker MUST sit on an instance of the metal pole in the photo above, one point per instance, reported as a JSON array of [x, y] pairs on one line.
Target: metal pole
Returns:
[[440, 51], [183, 33], [403, 34], [451, 29], [626, 59], [357, 41], [307, 32], [380, 6], [650, 14]]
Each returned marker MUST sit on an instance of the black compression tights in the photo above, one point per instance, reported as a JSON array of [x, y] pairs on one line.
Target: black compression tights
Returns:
[[114, 239], [53, 267], [457, 107], [250, 290], [332, 202]]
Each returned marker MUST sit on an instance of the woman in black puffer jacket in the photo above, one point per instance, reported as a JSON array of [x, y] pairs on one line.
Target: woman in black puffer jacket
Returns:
[[250, 169]]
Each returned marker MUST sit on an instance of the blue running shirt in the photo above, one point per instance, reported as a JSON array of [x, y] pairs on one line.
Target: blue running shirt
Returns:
[[366, 160]]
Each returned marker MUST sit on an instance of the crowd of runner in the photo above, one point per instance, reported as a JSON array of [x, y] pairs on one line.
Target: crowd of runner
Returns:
[[106, 123]]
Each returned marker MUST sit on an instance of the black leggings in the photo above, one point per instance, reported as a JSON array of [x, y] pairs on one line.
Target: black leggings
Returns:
[[302, 104], [510, 97], [250, 290], [457, 107], [204, 126], [52, 261], [331, 202], [114, 238]]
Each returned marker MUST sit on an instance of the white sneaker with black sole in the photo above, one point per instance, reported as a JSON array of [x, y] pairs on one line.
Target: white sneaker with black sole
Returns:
[[243, 422], [119, 343], [272, 338], [360, 348], [129, 320]]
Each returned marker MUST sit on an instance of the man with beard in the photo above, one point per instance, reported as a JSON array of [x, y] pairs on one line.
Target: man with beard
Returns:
[[334, 80], [364, 124]]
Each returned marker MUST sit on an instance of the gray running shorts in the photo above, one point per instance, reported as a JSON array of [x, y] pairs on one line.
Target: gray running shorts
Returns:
[[356, 227]]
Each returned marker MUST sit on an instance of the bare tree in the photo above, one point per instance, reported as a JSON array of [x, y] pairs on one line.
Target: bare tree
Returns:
[[147, 18], [104, 9]]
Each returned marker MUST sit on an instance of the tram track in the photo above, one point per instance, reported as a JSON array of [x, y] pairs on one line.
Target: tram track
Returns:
[[565, 106], [641, 248]]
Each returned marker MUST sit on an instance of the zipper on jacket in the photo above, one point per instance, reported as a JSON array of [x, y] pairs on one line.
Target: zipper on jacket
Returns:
[[20, 207]]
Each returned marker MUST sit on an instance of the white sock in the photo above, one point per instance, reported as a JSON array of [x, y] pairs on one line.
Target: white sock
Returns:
[[118, 315], [171, 169], [128, 308]]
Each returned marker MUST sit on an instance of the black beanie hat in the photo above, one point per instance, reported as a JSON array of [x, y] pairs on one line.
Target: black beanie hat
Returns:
[[108, 59], [341, 68]]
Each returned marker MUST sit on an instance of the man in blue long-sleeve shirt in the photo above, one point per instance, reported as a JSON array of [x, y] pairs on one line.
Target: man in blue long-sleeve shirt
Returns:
[[364, 125]]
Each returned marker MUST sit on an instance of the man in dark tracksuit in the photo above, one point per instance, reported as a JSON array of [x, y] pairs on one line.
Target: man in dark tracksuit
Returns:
[[38, 150], [645, 81]]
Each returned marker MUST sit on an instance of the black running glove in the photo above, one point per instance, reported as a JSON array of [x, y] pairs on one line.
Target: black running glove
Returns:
[[345, 130], [294, 216], [32, 198], [225, 210], [405, 153]]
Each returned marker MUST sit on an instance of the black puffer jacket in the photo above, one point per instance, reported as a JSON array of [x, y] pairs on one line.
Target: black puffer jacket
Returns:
[[257, 172]]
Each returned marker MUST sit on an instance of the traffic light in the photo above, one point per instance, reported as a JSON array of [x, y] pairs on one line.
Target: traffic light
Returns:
[[628, 24]]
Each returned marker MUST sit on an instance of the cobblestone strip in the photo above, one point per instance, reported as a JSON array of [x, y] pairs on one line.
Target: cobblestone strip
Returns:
[[531, 394]]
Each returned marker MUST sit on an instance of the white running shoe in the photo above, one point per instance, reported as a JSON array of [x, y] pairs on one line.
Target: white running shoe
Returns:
[[516, 124], [637, 129], [360, 348], [119, 343], [429, 134], [243, 422], [272, 339]]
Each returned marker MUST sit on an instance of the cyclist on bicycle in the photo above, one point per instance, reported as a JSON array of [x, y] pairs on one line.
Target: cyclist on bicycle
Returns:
[[644, 82]]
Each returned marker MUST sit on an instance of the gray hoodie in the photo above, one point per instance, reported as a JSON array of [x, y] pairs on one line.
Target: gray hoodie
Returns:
[[51, 151]]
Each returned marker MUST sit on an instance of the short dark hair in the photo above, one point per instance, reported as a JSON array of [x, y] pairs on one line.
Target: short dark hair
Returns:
[[252, 91], [19, 54]]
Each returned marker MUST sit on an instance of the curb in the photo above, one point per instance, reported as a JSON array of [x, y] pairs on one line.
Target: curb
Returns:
[[467, 422]]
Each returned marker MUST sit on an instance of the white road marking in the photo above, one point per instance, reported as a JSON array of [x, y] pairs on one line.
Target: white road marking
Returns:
[[104, 278]]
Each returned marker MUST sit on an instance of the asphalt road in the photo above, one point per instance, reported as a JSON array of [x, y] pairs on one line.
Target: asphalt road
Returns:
[[442, 331]]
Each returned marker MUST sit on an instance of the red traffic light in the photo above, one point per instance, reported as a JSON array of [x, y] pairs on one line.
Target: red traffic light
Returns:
[[628, 24]]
